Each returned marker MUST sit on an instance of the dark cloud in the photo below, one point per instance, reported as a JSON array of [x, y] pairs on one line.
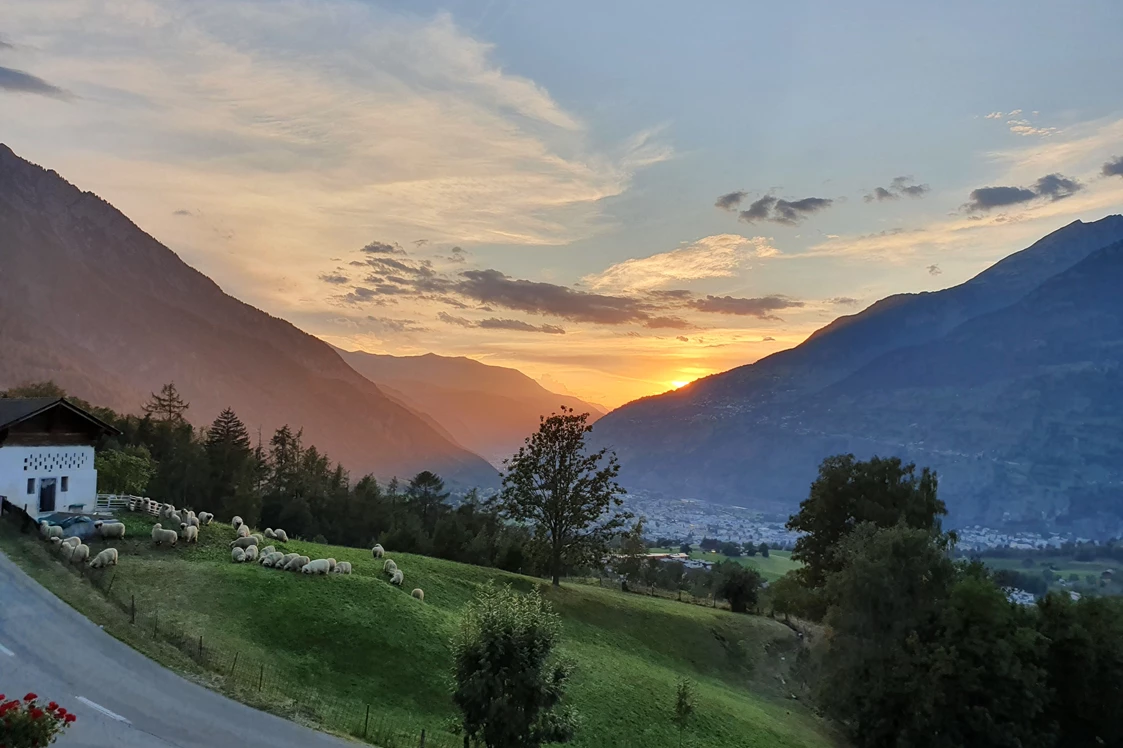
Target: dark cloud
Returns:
[[916, 190], [360, 295], [879, 194], [934, 270], [674, 295], [494, 323], [843, 301], [18, 81], [1051, 186], [336, 279], [760, 307], [1114, 167], [453, 320], [182, 212], [419, 243], [1056, 187], [387, 324], [683, 338], [456, 254], [381, 248], [898, 187], [787, 212], [668, 323], [767, 339], [533, 297], [730, 201]]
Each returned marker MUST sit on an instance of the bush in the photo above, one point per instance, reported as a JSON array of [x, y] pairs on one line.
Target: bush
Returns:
[[24, 724], [737, 584]]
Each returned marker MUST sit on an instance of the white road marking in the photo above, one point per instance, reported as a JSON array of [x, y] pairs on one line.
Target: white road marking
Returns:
[[103, 710], [5, 650]]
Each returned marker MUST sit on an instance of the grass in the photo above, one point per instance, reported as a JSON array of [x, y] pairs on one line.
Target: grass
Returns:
[[1062, 567], [776, 565], [349, 641]]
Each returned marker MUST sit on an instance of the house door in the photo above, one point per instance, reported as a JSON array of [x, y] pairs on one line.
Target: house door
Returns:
[[47, 495]]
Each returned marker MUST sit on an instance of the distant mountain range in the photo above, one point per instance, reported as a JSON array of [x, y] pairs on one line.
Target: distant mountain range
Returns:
[[486, 409], [110, 314], [1009, 385]]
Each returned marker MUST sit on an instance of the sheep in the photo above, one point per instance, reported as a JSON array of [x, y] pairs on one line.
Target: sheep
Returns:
[[190, 515], [377, 551], [389, 567], [54, 532], [281, 536], [109, 530], [190, 522], [398, 577], [80, 554], [190, 533], [289, 557], [332, 563], [251, 553], [56, 542], [243, 531], [296, 563], [161, 536], [43, 528], [319, 566], [343, 567], [66, 551], [267, 550], [237, 555], [205, 518], [259, 536], [73, 541], [243, 542], [269, 532], [236, 521], [272, 560], [107, 557], [419, 594]]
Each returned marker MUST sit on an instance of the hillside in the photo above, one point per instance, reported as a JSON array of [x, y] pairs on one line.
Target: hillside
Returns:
[[343, 642], [91, 301], [486, 409], [1004, 384]]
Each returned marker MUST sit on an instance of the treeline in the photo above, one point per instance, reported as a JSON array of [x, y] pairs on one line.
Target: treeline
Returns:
[[923, 650], [279, 481]]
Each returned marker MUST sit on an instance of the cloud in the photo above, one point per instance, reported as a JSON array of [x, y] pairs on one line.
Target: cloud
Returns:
[[934, 270], [1113, 168], [1052, 186], [682, 338], [182, 212], [898, 187], [767, 339], [761, 308], [843, 301], [456, 254], [453, 320], [17, 81], [1024, 128], [494, 323], [995, 115], [534, 297], [390, 325], [381, 248], [718, 256], [360, 295], [336, 279], [879, 194], [730, 201], [786, 212]]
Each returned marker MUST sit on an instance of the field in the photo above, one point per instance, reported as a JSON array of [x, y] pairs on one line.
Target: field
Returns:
[[356, 640], [1063, 568], [772, 568]]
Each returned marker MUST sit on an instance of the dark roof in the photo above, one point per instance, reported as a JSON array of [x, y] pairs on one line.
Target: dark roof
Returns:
[[14, 410]]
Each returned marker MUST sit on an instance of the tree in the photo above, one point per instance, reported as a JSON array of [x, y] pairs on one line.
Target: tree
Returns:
[[166, 407], [427, 491], [684, 706], [126, 471], [709, 544], [233, 468], [565, 493], [764, 550], [35, 389], [632, 553], [729, 549], [848, 493], [738, 584], [509, 684], [685, 548], [789, 597]]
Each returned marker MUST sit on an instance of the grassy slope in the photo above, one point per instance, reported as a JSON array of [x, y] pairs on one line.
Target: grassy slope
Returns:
[[772, 568], [362, 639]]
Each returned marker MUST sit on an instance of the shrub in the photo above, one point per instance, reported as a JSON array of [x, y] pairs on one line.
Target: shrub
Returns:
[[24, 724]]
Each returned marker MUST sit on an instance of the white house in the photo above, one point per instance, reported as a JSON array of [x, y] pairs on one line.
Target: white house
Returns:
[[47, 455]]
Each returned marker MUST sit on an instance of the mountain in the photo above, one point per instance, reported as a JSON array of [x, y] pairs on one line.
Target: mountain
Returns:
[[487, 409], [1008, 385], [110, 314]]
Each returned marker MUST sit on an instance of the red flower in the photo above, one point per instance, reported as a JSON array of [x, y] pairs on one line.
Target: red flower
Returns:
[[70, 718], [30, 697], [61, 711], [52, 706], [36, 714]]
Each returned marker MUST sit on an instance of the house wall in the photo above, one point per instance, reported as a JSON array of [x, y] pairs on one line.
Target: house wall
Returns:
[[18, 463]]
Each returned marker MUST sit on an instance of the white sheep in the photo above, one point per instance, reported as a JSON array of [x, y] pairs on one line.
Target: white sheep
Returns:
[[419, 594], [377, 551], [251, 553], [109, 530], [269, 532], [332, 563], [243, 542], [54, 532], [267, 550], [80, 554], [389, 567], [205, 518], [273, 559], [296, 564], [66, 551], [343, 567], [243, 531], [107, 557], [237, 555], [191, 521], [43, 528], [289, 557], [281, 536], [161, 536], [56, 542], [190, 532], [73, 541], [398, 577], [259, 536], [236, 521], [319, 566]]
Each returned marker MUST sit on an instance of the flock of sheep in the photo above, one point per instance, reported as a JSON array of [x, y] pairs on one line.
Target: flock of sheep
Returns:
[[243, 549]]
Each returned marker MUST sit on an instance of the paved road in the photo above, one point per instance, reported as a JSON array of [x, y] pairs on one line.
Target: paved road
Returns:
[[121, 697]]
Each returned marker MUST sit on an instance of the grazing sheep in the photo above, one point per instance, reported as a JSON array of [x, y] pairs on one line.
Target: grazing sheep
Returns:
[[296, 563], [54, 532], [80, 554], [267, 550], [205, 518], [190, 533], [243, 542], [161, 536], [319, 566], [290, 556], [377, 551], [236, 521], [190, 515], [237, 555], [251, 553], [272, 560], [419, 594], [281, 536], [56, 542], [107, 557], [269, 532], [398, 577], [109, 530], [389, 567], [243, 531], [66, 551], [43, 527], [343, 567], [191, 521], [332, 563], [259, 536], [73, 541]]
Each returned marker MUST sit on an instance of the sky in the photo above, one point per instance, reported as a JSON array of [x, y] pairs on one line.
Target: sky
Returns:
[[615, 198]]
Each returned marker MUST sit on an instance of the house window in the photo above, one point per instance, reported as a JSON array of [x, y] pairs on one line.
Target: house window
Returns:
[[65, 483], [31, 485]]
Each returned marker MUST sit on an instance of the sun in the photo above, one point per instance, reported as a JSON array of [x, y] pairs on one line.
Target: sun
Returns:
[[676, 385]]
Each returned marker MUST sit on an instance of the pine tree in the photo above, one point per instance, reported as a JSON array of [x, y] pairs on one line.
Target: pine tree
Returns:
[[166, 407]]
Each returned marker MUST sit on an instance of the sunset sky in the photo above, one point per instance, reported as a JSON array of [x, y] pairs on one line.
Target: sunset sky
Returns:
[[611, 197]]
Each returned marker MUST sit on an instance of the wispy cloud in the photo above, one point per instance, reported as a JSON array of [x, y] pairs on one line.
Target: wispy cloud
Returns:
[[1113, 167], [17, 81], [718, 256], [761, 308], [899, 187]]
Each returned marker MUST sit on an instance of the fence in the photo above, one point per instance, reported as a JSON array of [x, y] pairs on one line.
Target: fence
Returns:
[[115, 502]]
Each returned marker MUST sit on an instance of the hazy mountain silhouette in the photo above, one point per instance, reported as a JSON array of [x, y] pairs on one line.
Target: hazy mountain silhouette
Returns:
[[487, 409], [91, 301], [1007, 384]]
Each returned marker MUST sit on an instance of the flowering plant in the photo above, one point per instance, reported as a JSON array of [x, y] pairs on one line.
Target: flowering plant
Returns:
[[26, 724]]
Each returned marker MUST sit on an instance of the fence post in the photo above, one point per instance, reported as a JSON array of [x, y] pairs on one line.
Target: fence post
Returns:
[[261, 676], [112, 579], [233, 665], [200, 648], [366, 722], [156, 622], [422, 739], [132, 608]]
